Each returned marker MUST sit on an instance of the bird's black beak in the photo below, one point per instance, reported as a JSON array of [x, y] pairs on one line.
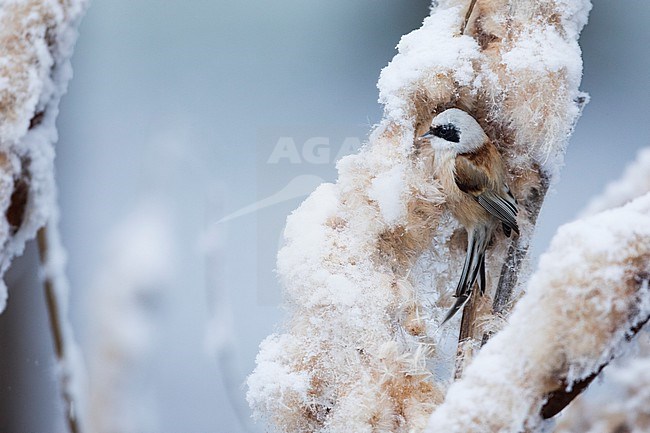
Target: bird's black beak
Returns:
[[428, 134]]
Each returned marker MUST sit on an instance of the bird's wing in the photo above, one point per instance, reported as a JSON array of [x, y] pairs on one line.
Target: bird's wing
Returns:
[[472, 177], [502, 208]]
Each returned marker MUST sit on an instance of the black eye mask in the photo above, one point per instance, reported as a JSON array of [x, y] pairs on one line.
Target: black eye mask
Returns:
[[447, 132]]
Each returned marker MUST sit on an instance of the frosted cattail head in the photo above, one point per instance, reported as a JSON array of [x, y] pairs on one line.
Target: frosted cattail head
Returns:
[[454, 129]]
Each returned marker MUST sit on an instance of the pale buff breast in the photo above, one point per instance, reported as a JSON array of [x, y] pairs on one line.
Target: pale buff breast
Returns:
[[463, 206]]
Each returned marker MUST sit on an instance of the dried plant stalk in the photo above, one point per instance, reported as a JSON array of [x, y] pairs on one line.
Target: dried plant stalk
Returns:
[[64, 348], [36, 42], [627, 378], [589, 296]]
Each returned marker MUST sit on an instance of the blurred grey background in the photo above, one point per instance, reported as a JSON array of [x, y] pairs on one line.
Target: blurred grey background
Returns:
[[182, 104]]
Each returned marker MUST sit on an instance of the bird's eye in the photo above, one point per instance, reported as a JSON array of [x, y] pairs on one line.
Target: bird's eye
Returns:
[[447, 132]]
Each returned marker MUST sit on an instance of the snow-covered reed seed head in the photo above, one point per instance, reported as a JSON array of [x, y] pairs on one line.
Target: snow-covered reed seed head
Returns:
[[455, 130]]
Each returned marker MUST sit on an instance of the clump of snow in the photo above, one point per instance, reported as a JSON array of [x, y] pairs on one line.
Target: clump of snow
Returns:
[[386, 190], [370, 262], [634, 183], [37, 39], [280, 383], [542, 50], [621, 401], [585, 297], [36, 42], [531, 79], [430, 58]]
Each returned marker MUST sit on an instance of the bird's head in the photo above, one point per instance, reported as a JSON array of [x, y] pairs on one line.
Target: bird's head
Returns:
[[455, 130]]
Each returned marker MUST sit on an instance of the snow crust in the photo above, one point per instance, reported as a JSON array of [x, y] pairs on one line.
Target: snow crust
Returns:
[[386, 189], [587, 293], [37, 39], [370, 262], [434, 49], [620, 402]]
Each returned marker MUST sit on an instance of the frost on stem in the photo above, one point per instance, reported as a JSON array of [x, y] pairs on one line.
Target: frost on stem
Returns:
[[628, 380], [370, 263], [588, 297], [36, 42]]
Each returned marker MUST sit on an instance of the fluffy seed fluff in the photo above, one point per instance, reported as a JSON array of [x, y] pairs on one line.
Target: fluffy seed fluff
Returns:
[[370, 262], [590, 289]]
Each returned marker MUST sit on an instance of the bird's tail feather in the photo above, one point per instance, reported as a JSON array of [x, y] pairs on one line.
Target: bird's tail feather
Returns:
[[473, 269], [460, 303], [481, 275]]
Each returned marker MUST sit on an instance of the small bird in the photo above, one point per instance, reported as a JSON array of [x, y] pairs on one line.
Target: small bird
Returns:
[[473, 176]]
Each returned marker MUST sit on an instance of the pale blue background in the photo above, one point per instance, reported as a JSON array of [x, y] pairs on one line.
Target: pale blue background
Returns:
[[168, 102]]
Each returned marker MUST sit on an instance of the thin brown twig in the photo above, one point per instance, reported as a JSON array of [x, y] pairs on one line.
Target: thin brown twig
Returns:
[[54, 314], [467, 16], [468, 330]]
